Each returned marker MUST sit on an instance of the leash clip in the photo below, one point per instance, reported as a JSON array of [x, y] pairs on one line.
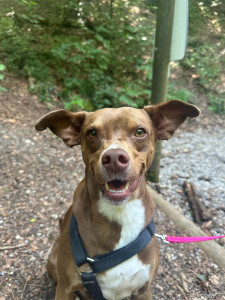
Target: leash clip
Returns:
[[163, 237]]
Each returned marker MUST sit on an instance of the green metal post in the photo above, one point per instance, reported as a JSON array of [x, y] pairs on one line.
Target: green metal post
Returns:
[[161, 61]]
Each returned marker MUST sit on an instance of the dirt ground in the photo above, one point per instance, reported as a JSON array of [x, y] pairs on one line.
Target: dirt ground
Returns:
[[38, 177]]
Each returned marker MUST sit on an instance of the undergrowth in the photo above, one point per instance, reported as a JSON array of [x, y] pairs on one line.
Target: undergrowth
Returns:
[[94, 54], [88, 54], [2, 68], [205, 57]]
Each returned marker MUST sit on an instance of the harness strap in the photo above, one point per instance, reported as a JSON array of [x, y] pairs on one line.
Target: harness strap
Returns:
[[111, 259], [90, 282], [80, 256], [106, 261]]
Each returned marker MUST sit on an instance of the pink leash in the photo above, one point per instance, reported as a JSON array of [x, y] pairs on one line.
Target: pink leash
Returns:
[[185, 239]]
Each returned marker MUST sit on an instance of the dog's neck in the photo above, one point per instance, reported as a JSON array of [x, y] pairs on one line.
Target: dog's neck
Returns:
[[105, 227], [130, 216]]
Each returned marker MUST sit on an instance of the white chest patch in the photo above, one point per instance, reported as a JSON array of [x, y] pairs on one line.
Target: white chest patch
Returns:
[[121, 281]]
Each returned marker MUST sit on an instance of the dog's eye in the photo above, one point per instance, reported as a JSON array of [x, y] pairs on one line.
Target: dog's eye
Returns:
[[92, 133], [140, 133]]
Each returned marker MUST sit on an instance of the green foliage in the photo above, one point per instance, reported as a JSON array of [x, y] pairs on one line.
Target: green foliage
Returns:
[[180, 94], [217, 103], [205, 16], [94, 54], [205, 62], [205, 56], [88, 54], [2, 68]]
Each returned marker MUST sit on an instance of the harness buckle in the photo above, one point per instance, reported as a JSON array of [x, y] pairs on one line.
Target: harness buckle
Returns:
[[90, 259], [163, 237]]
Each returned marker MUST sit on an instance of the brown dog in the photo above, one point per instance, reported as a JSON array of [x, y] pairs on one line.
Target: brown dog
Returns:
[[111, 204]]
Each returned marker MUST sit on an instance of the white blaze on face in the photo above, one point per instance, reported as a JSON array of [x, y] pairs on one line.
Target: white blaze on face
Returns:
[[112, 146]]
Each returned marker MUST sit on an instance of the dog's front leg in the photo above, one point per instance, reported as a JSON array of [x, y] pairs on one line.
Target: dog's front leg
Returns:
[[145, 296], [62, 294], [144, 293]]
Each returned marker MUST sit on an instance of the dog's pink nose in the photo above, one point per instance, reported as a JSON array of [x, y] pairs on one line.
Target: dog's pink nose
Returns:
[[115, 160]]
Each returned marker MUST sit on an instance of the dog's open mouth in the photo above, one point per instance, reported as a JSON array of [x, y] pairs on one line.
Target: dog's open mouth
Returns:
[[116, 186], [118, 190]]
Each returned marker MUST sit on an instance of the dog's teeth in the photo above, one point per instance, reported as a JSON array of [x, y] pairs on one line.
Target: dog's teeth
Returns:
[[127, 186], [117, 191]]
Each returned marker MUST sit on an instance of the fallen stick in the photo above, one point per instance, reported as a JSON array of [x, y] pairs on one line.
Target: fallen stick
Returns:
[[200, 212], [12, 247], [212, 249], [24, 288]]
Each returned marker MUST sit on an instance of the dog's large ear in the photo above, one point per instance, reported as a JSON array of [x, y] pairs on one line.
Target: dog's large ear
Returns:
[[65, 124], [168, 116]]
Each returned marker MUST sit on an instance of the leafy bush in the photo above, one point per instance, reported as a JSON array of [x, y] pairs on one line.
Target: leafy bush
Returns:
[[181, 94], [205, 62], [217, 103], [87, 54], [205, 56]]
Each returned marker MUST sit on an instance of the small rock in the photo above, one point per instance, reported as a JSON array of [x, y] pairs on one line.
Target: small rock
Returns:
[[54, 216]]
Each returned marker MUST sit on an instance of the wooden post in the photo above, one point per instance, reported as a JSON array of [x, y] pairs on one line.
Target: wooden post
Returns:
[[161, 61]]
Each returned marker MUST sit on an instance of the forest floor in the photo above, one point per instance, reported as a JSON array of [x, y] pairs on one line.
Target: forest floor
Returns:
[[38, 177]]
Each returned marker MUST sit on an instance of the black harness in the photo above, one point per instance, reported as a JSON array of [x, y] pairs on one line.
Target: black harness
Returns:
[[106, 261]]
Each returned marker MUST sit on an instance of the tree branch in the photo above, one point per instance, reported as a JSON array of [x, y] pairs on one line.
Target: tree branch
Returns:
[[12, 247]]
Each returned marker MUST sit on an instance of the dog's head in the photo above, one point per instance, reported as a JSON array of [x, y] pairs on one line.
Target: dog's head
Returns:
[[118, 143]]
